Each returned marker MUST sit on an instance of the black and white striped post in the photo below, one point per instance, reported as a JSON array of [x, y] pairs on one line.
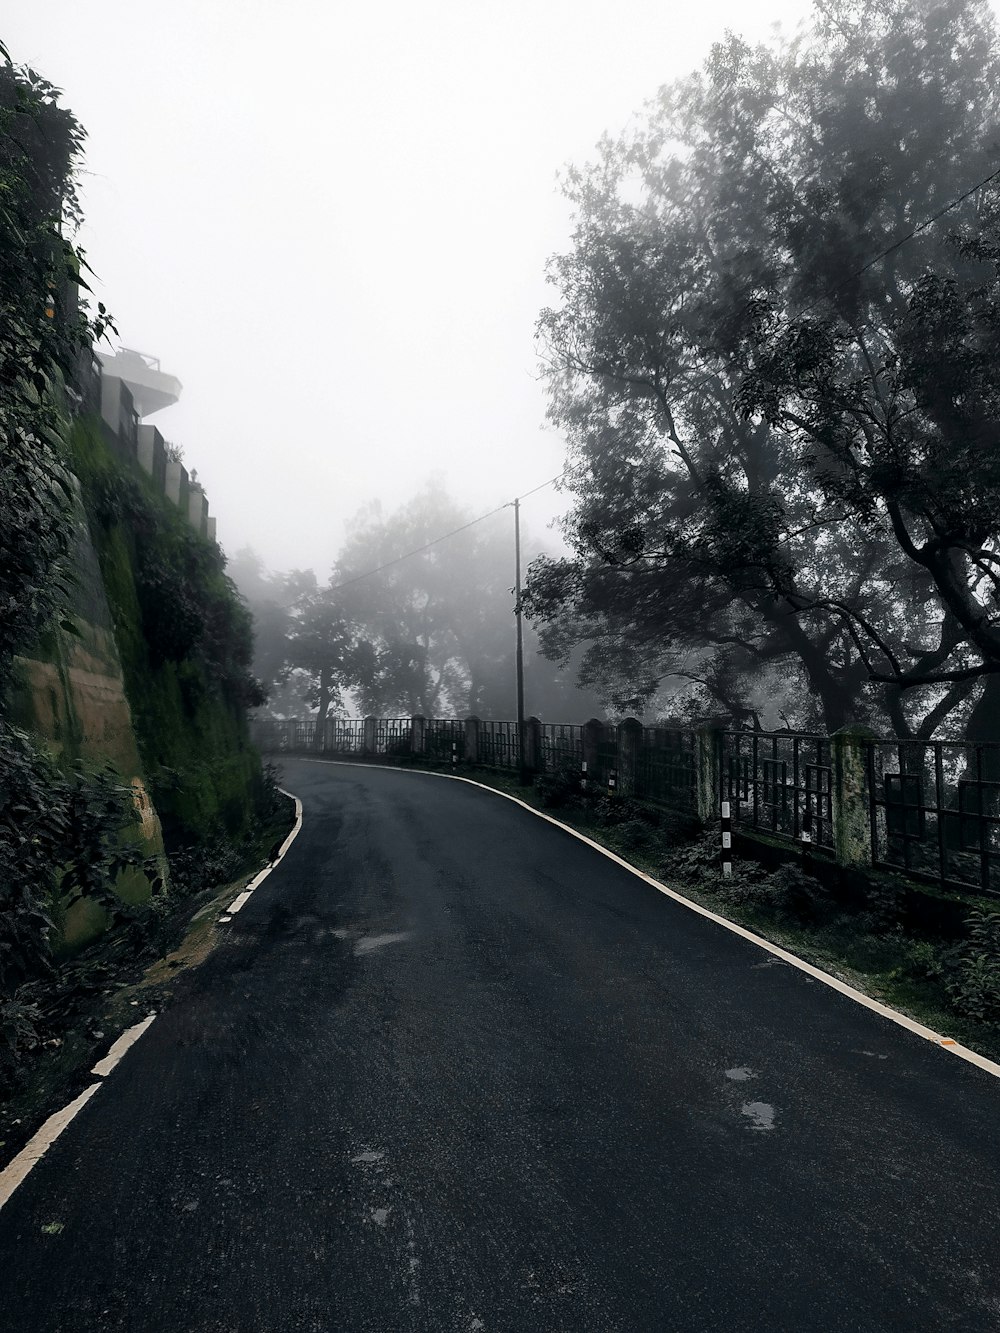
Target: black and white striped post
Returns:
[[727, 833], [454, 754]]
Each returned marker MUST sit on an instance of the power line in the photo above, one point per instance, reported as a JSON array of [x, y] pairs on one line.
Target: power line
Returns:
[[443, 538], [896, 245]]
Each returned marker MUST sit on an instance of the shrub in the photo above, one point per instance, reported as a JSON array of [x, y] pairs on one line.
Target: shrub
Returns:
[[786, 893], [884, 909], [559, 789], [60, 841], [699, 859], [638, 836], [971, 969]]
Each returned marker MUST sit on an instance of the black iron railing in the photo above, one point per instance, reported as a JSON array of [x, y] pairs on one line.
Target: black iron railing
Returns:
[[927, 809]]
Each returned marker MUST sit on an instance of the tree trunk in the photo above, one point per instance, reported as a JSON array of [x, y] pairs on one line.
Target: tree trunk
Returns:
[[838, 691], [324, 705], [984, 725]]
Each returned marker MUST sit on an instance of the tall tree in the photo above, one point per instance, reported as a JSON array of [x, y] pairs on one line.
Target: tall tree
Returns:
[[678, 357], [438, 619]]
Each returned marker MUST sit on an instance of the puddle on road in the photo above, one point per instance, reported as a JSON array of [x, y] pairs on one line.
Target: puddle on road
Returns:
[[760, 1113], [368, 1156], [373, 942], [741, 1073]]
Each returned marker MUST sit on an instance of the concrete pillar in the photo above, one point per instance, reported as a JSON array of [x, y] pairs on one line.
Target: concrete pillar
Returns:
[[110, 398], [593, 731], [197, 509], [369, 737], [629, 739], [174, 480], [147, 447], [418, 734], [708, 756], [532, 744], [849, 795], [472, 740]]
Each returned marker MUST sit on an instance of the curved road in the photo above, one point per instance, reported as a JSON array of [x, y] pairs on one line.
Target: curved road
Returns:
[[450, 1069]]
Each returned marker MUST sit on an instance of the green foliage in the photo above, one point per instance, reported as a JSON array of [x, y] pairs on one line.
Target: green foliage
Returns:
[[60, 842], [786, 894], [780, 452], [185, 639], [971, 970], [968, 972], [559, 789], [40, 144]]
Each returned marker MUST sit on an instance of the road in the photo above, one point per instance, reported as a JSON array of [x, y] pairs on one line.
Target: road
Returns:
[[451, 1069]]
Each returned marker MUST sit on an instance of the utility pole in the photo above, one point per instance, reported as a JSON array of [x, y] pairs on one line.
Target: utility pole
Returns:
[[522, 772]]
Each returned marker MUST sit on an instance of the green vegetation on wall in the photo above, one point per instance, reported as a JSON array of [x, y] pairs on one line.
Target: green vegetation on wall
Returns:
[[186, 643]]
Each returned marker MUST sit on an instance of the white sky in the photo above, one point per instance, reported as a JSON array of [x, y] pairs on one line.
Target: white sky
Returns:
[[331, 222]]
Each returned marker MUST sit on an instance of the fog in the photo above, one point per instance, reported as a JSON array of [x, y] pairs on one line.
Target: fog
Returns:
[[331, 223]]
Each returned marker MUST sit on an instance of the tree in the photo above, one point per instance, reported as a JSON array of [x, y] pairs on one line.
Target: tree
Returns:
[[433, 633], [270, 598], [437, 619], [326, 644], [685, 346]]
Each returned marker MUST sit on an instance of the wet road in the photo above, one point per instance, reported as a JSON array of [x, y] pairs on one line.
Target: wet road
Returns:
[[450, 1069]]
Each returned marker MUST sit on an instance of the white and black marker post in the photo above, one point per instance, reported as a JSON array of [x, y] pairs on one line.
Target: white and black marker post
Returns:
[[454, 754], [727, 834]]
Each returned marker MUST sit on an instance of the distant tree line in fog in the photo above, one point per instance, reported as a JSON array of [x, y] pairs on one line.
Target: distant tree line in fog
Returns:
[[432, 634]]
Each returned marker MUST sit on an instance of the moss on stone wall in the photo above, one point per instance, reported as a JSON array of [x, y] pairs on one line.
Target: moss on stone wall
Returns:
[[184, 640]]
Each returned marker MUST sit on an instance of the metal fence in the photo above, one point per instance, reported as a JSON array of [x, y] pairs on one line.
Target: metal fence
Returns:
[[927, 809], [498, 746], [781, 784], [934, 812], [666, 767], [392, 735], [561, 746], [444, 740], [343, 736]]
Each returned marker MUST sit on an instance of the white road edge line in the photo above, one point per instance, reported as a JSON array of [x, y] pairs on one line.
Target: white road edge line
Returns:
[[16, 1170], [239, 901], [128, 1037], [945, 1043], [12, 1175]]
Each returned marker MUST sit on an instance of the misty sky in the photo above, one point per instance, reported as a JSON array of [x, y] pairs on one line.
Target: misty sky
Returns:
[[331, 222]]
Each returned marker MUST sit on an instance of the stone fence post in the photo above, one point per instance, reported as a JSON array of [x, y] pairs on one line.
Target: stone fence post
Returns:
[[472, 740], [593, 732], [708, 758], [368, 745], [418, 734], [532, 743], [629, 737], [852, 835]]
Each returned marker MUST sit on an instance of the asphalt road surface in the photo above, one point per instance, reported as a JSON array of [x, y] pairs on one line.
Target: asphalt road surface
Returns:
[[451, 1069]]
